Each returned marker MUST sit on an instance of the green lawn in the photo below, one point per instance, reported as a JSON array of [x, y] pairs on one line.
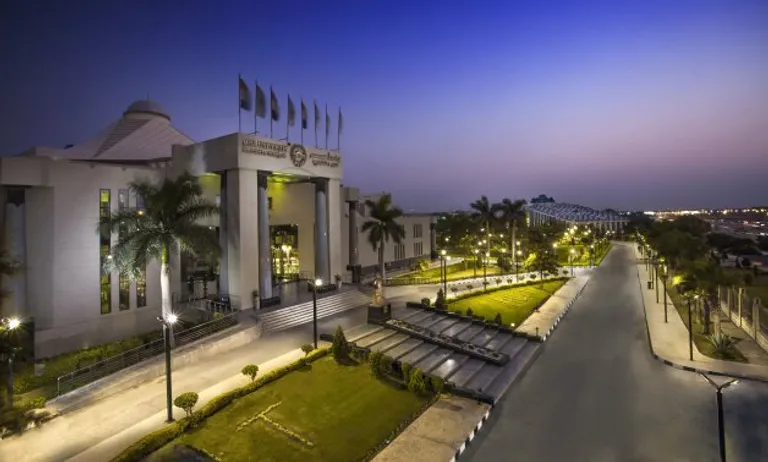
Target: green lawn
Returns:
[[515, 304], [582, 254], [341, 412], [455, 272]]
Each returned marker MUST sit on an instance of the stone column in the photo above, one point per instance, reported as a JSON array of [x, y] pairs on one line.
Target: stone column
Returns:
[[433, 240], [265, 239], [353, 235], [322, 270], [16, 246], [223, 234]]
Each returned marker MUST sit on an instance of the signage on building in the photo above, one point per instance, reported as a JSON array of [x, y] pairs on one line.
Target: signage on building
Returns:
[[295, 153]]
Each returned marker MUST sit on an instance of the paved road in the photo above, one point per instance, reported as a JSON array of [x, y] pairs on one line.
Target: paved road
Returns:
[[74, 432], [595, 393]]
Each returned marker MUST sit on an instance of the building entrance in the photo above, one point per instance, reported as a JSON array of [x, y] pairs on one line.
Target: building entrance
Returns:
[[285, 253]]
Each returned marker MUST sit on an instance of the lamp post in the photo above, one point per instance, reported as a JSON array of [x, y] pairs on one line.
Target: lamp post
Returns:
[[664, 276], [572, 254], [656, 277], [591, 254], [720, 418], [444, 272], [475, 266], [9, 325], [315, 284], [689, 298], [168, 323], [517, 265], [485, 269]]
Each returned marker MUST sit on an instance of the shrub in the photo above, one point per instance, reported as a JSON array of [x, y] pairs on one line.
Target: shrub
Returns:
[[440, 300], [385, 365], [416, 382], [251, 370], [499, 281], [470, 312], [425, 301], [566, 272], [438, 384], [470, 287], [374, 359], [340, 347], [497, 319], [186, 401], [307, 348], [406, 368], [533, 277], [724, 345], [454, 289]]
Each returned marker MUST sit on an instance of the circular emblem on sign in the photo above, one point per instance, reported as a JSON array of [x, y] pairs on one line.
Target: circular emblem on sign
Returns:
[[298, 155]]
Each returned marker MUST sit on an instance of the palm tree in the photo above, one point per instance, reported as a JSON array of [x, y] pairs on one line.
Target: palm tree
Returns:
[[382, 227], [514, 216], [484, 213], [169, 224]]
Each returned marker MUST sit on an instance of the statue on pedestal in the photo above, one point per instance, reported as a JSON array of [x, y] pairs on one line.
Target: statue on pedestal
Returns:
[[378, 292]]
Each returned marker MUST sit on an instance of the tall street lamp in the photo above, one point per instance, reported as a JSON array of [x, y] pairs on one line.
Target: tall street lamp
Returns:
[[476, 260], [656, 277], [9, 325], [485, 269], [444, 271], [720, 419], [168, 323], [591, 254], [315, 284], [517, 264], [664, 276], [572, 254], [689, 299]]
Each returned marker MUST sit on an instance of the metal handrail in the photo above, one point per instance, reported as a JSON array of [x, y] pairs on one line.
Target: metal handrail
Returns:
[[88, 374]]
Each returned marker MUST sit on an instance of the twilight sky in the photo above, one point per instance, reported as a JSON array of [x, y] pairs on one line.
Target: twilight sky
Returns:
[[622, 104]]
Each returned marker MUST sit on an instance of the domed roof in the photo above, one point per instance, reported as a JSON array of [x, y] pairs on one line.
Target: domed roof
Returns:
[[146, 107]]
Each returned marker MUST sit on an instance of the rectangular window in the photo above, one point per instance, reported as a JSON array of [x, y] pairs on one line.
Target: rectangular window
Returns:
[[141, 289], [105, 245], [140, 203], [418, 249], [416, 231], [124, 283], [405, 235], [399, 251]]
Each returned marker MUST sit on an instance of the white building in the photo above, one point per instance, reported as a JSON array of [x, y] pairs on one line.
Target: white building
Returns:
[[274, 195], [570, 214]]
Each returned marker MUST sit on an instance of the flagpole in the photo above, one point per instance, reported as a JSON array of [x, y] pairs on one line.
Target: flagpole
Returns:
[[326, 126], [338, 132], [239, 109], [288, 119], [314, 114], [301, 102], [271, 116], [255, 108]]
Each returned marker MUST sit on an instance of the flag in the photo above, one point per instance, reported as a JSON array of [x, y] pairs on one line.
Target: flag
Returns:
[[245, 95], [303, 115], [261, 102], [274, 105], [327, 122], [340, 126], [317, 116], [291, 112]]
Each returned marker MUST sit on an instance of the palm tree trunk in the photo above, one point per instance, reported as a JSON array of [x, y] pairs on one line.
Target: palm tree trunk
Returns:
[[514, 243], [165, 290], [382, 268]]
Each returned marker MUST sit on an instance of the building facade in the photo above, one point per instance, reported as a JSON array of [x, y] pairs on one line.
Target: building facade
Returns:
[[548, 211], [285, 215]]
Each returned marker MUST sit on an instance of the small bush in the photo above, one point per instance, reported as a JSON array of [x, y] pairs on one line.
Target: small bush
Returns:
[[499, 281], [566, 272], [497, 319], [440, 300], [307, 348], [454, 289], [533, 277], [416, 382], [438, 384], [405, 369], [385, 365], [251, 370], [374, 360], [470, 312], [724, 345], [186, 401], [425, 301], [340, 347], [470, 287]]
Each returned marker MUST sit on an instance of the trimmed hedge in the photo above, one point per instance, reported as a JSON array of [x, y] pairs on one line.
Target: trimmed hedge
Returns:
[[159, 438], [507, 287]]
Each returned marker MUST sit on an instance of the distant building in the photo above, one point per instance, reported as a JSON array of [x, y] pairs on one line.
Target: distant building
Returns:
[[542, 199], [570, 214]]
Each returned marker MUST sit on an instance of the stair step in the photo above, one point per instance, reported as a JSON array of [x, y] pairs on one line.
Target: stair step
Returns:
[[428, 321], [514, 346], [405, 313], [482, 378], [484, 337], [470, 332], [404, 348], [356, 333], [373, 339], [433, 360], [499, 341], [389, 343], [288, 317], [419, 353], [466, 372], [513, 370], [444, 324], [418, 317], [450, 366], [457, 328]]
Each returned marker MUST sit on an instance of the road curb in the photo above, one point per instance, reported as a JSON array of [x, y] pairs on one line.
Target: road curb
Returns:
[[472, 435], [565, 311], [674, 364]]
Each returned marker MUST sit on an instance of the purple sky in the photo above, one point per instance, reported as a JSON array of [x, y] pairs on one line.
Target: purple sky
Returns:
[[649, 104]]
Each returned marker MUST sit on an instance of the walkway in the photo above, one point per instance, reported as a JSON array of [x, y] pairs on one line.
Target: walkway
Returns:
[[669, 340], [109, 425], [542, 322], [596, 394]]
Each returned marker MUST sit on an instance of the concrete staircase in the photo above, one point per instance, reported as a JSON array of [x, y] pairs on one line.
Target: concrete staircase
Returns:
[[292, 316]]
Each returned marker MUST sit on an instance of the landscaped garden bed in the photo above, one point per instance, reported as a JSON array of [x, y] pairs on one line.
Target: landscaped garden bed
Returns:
[[582, 254], [512, 304], [322, 411]]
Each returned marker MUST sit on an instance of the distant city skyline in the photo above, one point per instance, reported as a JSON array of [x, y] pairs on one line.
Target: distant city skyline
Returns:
[[623, 105]]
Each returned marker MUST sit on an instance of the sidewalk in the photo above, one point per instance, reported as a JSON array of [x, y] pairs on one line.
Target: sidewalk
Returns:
[[669, 341], [105, 427], [542, 322]]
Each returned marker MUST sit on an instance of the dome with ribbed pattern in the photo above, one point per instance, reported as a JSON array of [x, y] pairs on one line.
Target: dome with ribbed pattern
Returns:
[[144, 108]]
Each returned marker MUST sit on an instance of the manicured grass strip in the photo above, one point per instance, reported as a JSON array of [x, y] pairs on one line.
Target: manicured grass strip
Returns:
[[582, 259], [515, 304], [699, 338], [341, 411], [425, 277]]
